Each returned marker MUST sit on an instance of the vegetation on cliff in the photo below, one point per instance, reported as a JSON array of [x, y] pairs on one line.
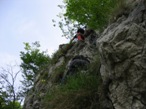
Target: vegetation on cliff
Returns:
[[94, 14], [33, 60], [84, 13], [82, 90]]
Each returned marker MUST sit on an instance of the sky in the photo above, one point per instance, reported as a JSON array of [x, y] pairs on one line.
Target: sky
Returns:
[[28, 21]]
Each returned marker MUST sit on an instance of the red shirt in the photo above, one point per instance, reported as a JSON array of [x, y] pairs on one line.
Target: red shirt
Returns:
[[80, 37]]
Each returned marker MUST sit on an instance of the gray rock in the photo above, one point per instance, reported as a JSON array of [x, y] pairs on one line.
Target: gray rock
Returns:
[[36, 104], [122, 49], [80, 54]]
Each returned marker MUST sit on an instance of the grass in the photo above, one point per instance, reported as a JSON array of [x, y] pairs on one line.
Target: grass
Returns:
[[80, 92]]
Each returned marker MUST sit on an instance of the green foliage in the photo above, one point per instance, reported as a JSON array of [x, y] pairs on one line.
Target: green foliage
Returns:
[[33, 60], [6, 103], [79, 92], [94, 14], [81, 81], [67, 26], [3, 97], [10, 105]]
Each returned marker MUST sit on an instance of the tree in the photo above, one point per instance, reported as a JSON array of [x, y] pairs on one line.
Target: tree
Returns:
[[3, 96], [94, 14], [9, 94], [67, 26], [33, 60]]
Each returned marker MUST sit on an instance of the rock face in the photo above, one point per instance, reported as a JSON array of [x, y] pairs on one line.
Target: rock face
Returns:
[[71, 58], [122, 48]]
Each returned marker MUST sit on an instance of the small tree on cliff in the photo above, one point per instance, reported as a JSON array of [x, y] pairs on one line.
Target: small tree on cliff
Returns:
[[33, 60]]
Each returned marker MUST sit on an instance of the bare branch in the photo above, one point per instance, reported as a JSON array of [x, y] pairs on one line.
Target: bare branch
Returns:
[[8, 77]]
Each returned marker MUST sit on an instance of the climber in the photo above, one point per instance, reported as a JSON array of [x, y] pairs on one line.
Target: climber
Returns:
[[77, 64], [79, 36]]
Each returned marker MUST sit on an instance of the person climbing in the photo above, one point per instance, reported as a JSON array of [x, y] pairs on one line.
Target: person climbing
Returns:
[[79, 36], [77, 63]]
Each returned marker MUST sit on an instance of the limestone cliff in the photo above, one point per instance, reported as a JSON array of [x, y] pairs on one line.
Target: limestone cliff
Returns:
[[67, 61], [122, 49], [121, 69]]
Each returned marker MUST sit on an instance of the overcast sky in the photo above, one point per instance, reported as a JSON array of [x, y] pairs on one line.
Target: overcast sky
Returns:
[[28, 21]]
